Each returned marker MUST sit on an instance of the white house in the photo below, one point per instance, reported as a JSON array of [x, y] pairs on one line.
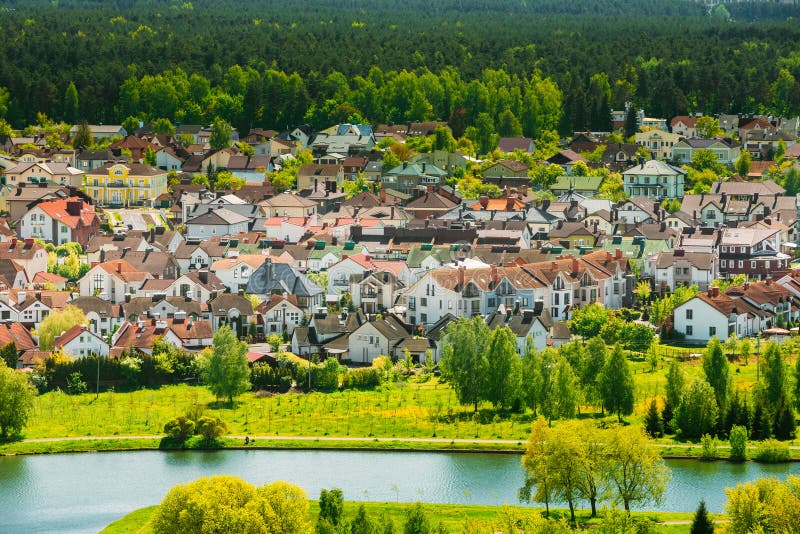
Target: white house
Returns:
[[235, 272], [677, 267], [217, 222], [112, 280], [79, 342], [280, 313], [376, 338], [102, 316]]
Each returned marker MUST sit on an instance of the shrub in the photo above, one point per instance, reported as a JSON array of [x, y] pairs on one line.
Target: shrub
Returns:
[[367, 378], [264, 376], [773, 451], [75, 384], [708, 446], [738, 441], [211, 428], [180, 428]]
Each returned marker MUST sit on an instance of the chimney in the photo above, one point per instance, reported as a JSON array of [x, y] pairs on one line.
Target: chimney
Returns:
[[128, 297], [203, 275], [494, 274], [554, 265], [574, 264], [28, 242], [119, 266], [461, 271], [74, 207], [618, 254], [382, 196], [125, 250], [724, 198], [509, 204], [769, 281], [484, 200]]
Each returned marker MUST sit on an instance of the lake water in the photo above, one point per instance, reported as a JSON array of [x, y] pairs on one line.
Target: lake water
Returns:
[[82, 493]]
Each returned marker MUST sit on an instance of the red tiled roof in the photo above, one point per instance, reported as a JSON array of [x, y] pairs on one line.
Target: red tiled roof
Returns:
[[17, 333]]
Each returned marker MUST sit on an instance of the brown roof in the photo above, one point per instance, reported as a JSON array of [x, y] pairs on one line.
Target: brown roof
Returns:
[[134, 169], [132, 335], [17, 333], [220, 305], [274, 300], [702, 260]]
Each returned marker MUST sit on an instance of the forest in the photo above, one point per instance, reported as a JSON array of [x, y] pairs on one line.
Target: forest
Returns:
[[522, 66]]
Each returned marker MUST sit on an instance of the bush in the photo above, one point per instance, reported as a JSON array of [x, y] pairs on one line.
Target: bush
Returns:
[[75, 384], [211, 428], [738, 441], [367, 378], [773, 451], [264, 376], [180, 428], [324, 377], [708, 449]]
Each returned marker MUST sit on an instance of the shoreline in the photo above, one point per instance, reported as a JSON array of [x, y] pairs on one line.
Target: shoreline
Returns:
[[99, 444]]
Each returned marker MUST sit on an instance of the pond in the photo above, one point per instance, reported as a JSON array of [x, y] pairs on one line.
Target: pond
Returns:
[[82, 493]]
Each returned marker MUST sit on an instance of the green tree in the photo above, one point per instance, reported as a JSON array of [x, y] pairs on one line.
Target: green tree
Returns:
[[352, 188], [220, 133], [71, 104], [417, 521], [783, 421], [653, 424], [738, 443], [226, 371], [211, 428], [708, 127], [227, 180], [443, 139], [150, 156], [485, 135], [16, 401], [613, 188], [775, 376], [588, 320], [504, 371], [636, 470], [539, 484], [636, 336], [83, 136], [331, 505], [716, 369], [362, 523], [229, 504], [464, 363], [544, 176], [162, 126], [631, 121], [9, 355], [676, 381], [616, 384], [591, 370], [702, 524], [58, 322], [743, 163], [562, 396], [697, 413]]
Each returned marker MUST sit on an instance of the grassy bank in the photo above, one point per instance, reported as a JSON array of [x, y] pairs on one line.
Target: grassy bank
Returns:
[[452, 516]]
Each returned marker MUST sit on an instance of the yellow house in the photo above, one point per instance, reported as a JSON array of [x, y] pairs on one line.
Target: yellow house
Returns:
[[125, 184], [658, 143]]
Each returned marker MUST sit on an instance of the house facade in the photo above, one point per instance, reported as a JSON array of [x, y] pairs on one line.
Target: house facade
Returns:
[[125, 184]]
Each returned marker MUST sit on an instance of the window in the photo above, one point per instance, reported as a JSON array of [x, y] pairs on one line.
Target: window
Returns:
[[689, 330], [423, 301], [689, 314], [741, 264], [742, 250], [712, 331], [753, 264], [412, 303], [722, 263]]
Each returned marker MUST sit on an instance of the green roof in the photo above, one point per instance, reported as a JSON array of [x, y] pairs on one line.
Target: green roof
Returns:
[[634, 251], [418, 253], [318, 253], [581, 183]]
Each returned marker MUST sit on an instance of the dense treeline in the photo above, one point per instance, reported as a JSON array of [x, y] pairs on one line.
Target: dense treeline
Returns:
[[669, 57]]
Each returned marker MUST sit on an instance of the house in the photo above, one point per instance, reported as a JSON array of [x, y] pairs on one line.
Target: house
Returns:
[[79, 342], [447, 161], [587, 186], [112, 281], [745, 310], [195, 254], [280, 313], [18, 201], [377, 337], [654, 179], [27, 253], [725, 150], [216, 222], [375, 292], [125, 184], [340, 273], [431, 204], [505, 168], [310, 174], [288, 205], [566, 159], [754, 252], [281, 278], [12, 274], [251, 168], [103, 316], [168, 159], [69, 220], [42, 173], [183, 332], [200, 285], [86, 160], [45, 280], [572, 235], [510, 144], [528, 324], [677, 267], [347, 139], [683, 125], [101, 131], [410, 176], [33, 307], [233, 310], [159, 264], [235, 272], [658, 143]]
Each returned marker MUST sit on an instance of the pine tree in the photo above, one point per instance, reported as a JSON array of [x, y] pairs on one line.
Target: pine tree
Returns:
[[71, 104], [653, 424], [759, 423], [631, 121], [783, 422], [702, 524]]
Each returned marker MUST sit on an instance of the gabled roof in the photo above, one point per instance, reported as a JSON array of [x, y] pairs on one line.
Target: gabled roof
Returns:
[[71, 334], [18, 334], [287, 200], [219, 216], [134, 169], [124, 270], [654, 167], [221, 304]]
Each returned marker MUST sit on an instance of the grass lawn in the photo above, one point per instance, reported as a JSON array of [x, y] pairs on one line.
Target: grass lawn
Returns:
[[417, 410], [451, 516]]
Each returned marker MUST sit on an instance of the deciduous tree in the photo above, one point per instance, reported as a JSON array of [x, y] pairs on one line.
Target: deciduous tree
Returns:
[[616, 384], [226, 371], [58, 322], [16, 401], [635, 468], [464, 361]]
